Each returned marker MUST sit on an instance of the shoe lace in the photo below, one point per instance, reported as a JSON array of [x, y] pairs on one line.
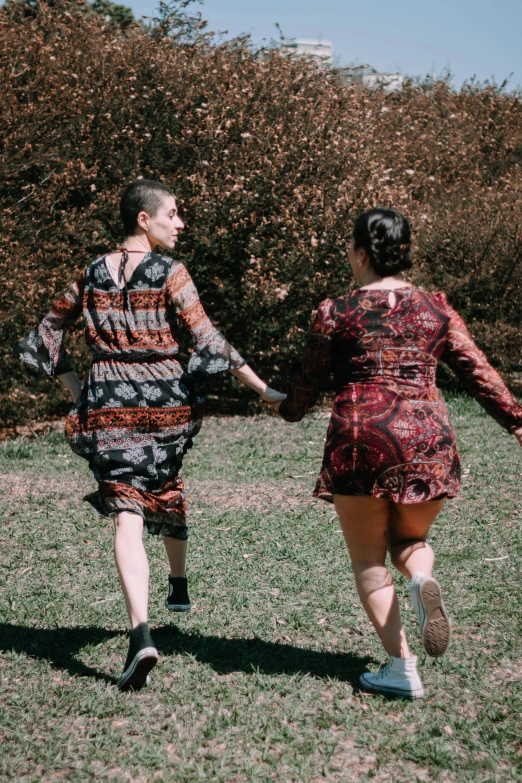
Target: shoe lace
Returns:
[[383, 671]]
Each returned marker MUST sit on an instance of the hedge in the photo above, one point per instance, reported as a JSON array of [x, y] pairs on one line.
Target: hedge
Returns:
[[270, 157]]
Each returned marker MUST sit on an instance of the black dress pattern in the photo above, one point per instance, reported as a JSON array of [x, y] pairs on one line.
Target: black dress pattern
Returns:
[[139, 409]]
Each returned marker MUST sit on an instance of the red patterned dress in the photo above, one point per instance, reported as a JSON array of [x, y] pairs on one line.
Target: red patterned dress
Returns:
[[389, 434], [138, 410]]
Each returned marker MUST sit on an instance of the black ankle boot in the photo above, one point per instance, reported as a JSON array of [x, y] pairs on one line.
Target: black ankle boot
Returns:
[[141, 658]]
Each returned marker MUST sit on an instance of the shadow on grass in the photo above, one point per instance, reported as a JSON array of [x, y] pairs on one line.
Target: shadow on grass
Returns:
[[249, 655], [58, 646], [61, 646]]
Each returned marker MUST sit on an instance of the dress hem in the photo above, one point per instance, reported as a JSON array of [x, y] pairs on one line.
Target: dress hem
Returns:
[[157, 523], [328, 496]]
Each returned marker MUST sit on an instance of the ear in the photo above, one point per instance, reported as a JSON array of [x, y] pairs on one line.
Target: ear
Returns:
[[363, 256], [143, 220]]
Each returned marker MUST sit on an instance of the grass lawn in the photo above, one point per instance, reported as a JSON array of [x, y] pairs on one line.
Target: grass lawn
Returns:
[[259, 681]]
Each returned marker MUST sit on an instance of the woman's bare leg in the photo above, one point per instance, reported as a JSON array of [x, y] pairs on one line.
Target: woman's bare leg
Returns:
[[177, 554], [412, 556], [364, 522], [132, 564], [408, 530]]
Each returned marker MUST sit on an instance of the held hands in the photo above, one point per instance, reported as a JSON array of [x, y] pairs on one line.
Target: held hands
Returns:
[[246, 375], [272, 398]]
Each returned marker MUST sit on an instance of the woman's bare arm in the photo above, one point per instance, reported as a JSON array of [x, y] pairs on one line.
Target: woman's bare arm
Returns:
[[246, 375]]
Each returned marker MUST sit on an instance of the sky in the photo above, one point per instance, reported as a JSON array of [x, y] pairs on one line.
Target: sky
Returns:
[[472, 38]]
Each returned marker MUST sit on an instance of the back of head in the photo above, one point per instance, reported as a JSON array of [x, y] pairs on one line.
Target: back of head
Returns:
[[386, 237], [143, 195]]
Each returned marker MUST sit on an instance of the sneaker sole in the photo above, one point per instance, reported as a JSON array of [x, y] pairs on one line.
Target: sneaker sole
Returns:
[[136, 676], [177, 607], [369, 686], [436, 634]]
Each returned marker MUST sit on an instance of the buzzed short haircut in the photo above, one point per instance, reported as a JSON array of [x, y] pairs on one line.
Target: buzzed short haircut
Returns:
[[143, 195]]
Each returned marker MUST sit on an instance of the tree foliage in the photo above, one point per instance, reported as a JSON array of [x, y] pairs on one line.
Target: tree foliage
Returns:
[[271, 159]]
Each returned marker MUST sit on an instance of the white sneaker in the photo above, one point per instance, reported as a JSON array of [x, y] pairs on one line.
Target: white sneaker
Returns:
[[434, 623], [398, 678]]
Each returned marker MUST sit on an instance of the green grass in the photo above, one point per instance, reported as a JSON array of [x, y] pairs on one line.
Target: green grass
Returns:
[[259, 682]]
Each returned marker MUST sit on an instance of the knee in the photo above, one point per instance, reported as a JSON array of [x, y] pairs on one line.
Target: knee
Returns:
[[401, 551], [396, 551], [371, 576], [126, 523]]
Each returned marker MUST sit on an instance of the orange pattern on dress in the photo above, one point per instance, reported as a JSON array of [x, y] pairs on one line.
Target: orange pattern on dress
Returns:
[[139, 409]]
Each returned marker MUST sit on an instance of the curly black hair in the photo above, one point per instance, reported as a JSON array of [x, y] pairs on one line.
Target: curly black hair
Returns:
[[385, 235]]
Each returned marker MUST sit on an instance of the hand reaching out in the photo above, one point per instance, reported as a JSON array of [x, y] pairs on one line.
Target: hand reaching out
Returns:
[[272, 396], [273, 399]]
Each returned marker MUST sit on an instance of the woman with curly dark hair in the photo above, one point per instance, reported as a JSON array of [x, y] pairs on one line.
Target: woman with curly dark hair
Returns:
[[390, 457]]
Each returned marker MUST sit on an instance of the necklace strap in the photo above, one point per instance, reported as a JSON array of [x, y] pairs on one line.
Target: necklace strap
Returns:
[[123, 249]]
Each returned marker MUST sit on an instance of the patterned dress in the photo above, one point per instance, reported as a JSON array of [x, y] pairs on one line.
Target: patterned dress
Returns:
[[389, 434], [138, 410]]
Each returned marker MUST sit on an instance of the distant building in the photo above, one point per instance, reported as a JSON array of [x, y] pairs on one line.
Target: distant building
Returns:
[[364, 75], [321, 51], [370, 78]]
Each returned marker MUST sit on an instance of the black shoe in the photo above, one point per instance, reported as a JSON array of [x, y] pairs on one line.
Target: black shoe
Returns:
[[178, 599], [141, 658]]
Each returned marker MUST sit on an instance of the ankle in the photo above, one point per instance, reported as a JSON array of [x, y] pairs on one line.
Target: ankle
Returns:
[[140, 635], [420, 576], [143, 624], [404, 664]]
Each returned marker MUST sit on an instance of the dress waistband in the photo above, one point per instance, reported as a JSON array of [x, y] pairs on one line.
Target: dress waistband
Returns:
[[429, 392], [150, 358]]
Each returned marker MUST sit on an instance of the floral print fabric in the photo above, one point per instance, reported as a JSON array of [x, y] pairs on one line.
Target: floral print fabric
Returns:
[[138, 410], [389, 434]]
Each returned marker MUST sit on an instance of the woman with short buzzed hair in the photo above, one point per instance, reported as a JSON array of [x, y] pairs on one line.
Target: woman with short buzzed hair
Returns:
[[137, 411]]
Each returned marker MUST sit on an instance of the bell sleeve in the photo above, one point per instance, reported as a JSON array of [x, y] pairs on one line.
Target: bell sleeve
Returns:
[[316, 367], [212, 353], [483, 382], [43, 347]]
